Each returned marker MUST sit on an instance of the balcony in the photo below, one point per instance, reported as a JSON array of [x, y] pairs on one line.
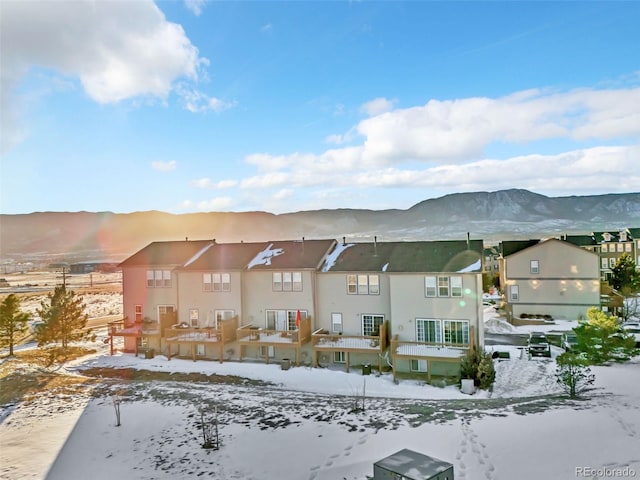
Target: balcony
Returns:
[[251, 336], [322, 341], [429, 351], [181, 334], [122, 328]]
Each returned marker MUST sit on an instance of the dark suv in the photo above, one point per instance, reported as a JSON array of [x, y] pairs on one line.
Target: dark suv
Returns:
[[539, 345]]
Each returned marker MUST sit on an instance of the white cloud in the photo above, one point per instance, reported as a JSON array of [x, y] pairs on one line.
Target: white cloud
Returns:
[[164, 166], [198, 102], [283, 194], [266, 28], [208, 183], [195, 6], [118, 50], [377, 106], [216, 204]]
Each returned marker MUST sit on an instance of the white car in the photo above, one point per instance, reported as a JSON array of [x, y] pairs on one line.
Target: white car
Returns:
[[633, 328]]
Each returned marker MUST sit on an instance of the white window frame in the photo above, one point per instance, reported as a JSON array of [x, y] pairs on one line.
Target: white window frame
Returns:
[[612, 262], [336, 322], [137, 312], [627, 247], [444, 287], [286, 282], [456, 331], [456, 286], [514, 293], [223, 314], [339, 357], [352, 284], [221, 282], [620, 247], [604, 263], [297, 281], [534, 265], [430, 286], [418, 365], [369, 321], [428, 335], [287, 317], [363, 284], [276, 281], [604, 248], [194, 317], [200, 350], [158, 278]]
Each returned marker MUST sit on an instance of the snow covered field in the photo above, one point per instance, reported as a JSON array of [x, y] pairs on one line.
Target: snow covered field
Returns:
[[299, 424]]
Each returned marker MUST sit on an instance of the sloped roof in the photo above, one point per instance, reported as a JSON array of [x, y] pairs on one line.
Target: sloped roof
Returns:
[[510, 247], [413, 465], [560, 242], [579, 240], [224, 256], [443, 256], [634, 232], [165, 253], [291, 254]]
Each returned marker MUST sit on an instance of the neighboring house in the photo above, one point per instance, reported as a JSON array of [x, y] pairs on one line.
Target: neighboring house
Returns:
[[491, 259], [550, 277], [634, 234], [612, 245], [93, 266]]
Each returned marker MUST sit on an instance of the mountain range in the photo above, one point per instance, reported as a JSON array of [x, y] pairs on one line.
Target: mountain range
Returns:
[[491, 216]]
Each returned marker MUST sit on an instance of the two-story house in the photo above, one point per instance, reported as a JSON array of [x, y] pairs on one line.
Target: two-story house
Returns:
[[550, 277]]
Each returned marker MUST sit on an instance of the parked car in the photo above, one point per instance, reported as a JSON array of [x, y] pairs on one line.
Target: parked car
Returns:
[[633, 328], [569, 341], [539, 345]]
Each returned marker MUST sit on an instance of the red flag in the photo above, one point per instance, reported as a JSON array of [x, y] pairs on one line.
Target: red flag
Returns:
[[298, 319]]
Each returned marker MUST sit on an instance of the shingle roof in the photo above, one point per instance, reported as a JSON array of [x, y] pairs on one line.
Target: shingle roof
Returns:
[[510, 247], [165, 253], [291, 254], [225, 256], [443, 256], [579, 240]]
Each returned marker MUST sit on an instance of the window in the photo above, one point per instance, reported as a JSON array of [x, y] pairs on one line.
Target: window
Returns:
[[620, 247], [200, 351], [339, 357], [627, 247], [430, 286], [535, 266], [428, 330], [612, 262], [603, 262], [194, 315], [164, 311], [514, 292], [283, 320], [443, 286], [223, 315], [216, 282], [456, 286], [605, 248], [336, 322], [363, 284], [418, 365], [287, 281], [158, 278], [138, 314], [456, 331], [371, 324]]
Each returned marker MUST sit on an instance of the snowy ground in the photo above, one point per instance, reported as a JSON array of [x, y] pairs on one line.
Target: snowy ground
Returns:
[[300, 426]]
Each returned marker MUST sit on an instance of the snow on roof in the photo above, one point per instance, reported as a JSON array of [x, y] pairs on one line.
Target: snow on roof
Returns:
[[348, 342], [330, 260], [198, 254], [385, 266], [474, 267], [264, 257]]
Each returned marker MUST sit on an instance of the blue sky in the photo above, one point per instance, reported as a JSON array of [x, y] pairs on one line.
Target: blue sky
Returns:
[[285, 106]]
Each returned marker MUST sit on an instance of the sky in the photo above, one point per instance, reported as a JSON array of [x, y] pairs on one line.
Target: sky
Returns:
[[285, 106]]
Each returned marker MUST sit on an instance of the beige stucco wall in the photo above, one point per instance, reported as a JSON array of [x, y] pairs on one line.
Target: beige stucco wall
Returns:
[[408, 302], [333, 298], [568, 282], [192, 296], [259, 297], [136, 292]]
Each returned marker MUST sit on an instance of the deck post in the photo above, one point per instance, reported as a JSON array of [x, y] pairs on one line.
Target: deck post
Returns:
[[221, 350], [111, 342], [168, 351], [347, 362]]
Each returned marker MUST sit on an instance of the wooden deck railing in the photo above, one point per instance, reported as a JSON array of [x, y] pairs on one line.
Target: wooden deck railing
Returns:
[[249, 335], [224, 334], [368, 344]]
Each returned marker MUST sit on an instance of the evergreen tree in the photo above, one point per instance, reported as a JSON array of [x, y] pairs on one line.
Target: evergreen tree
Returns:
[[573, 374], [63, 318], [600, 339], [13, 322], [624, 276]]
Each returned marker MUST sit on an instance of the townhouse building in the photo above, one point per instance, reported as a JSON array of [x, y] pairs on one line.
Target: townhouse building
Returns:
[[411, 306]]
